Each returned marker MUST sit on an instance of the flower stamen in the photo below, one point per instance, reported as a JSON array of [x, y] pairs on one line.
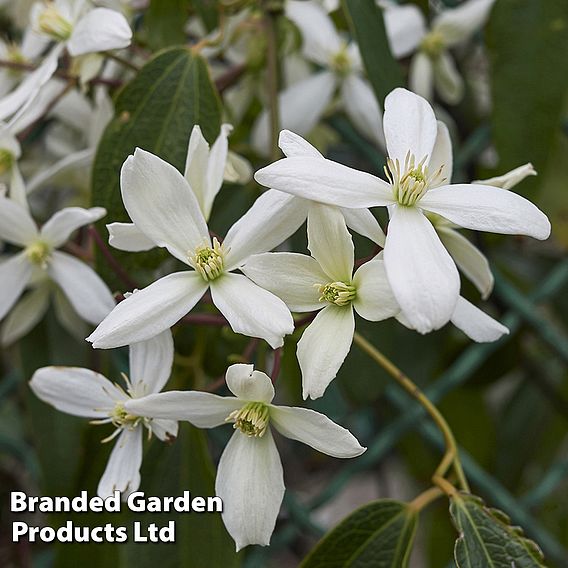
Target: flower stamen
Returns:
[[337, 293], [208, 261], [6, 160], [52, 23], [39, 253], [252, 419]]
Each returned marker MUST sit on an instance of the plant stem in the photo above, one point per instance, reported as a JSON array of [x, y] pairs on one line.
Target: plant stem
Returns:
[[122, 61], [451, 455], [425, 498]]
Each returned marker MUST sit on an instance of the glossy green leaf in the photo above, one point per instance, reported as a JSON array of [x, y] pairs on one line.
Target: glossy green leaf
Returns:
[[379, 534], [156, 112], [528, 42], [487, 539], [367, 23]]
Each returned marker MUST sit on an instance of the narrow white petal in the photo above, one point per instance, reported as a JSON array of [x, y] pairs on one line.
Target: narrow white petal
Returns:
[[149, 311], [362, 108], [421, 76], [442, 156], [477, 325], [511, 178], [18, 187], [300, 106], [59, 228], [316, 430], [84, 288], [202, 409], [422, 274], [162, 205], [294, 278], [16, 225], [122, 472], [375, 300], [273, 217], [323, 347], [250, 483], [76, 391], [15, 273], [293, 144], [362, 221], [487, 208], [128, 237], [457, 25], [330, 242], [151, 363], [247, 384], [25, 315], [196, 165], [237, 169], [405, 27], [470, 260], [326, 182], [216, 168], [448, 80], [100, 29], [67, 316], [251, 310], [410, 125], [165, 430]]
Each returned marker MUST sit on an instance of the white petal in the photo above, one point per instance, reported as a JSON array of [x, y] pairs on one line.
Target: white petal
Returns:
[[442, 156], [362, 108], [316, 430], [122, 472], [448, 80], [294, 145], [250, 310], [320, 40], [16, 225], [511, 178], [330, 243], [18, 187], [196, 165], [59, 228], [470, 260], [202, 409], [294, 278], [165, 430], [362, 221], [151, 363], [216, 168], [250, 483], [237, 169], [410, 125], [326, 182], [405, 27], [457, 25], [150, 311], [84, 288], [25, 315], [487, 208], [273, 217], [323, 347], [300, 106], [67, 316], [421, 75], [477, 325], [422, 274], [247, 384], [162, 205], [15, 273], [128, 237], [375, 300], [100, 29], [76, 391]]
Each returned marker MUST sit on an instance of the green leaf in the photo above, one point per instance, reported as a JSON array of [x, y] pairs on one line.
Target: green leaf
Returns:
[[527, 43], [156, 112], [487, 539], [164, 23], [379, 534], [367, 23]]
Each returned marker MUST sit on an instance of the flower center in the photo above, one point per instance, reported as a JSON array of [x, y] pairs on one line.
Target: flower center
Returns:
[[208, 261], [341, 62], [252, 419], [120, 418], [6, 160], [53, 24], [14, 55], [337, 293], [412, 181], [433, 44], [39, 253]]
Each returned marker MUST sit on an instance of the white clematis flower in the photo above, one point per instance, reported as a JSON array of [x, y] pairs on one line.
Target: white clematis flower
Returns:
[[422, 274], [325, 281], [249, 476], [171, 218], [82, 392], [84, 289]]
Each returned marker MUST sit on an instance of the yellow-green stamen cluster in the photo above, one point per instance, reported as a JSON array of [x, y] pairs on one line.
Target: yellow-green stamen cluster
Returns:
[[337, 293], [252, 419], [53, 24], [412, 181], [120, 418], [341, 62], [433, 44], [208, 261], [39, 253], [6, 160]]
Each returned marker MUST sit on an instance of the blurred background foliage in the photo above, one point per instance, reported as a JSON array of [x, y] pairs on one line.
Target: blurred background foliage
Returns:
[[506, 402]]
